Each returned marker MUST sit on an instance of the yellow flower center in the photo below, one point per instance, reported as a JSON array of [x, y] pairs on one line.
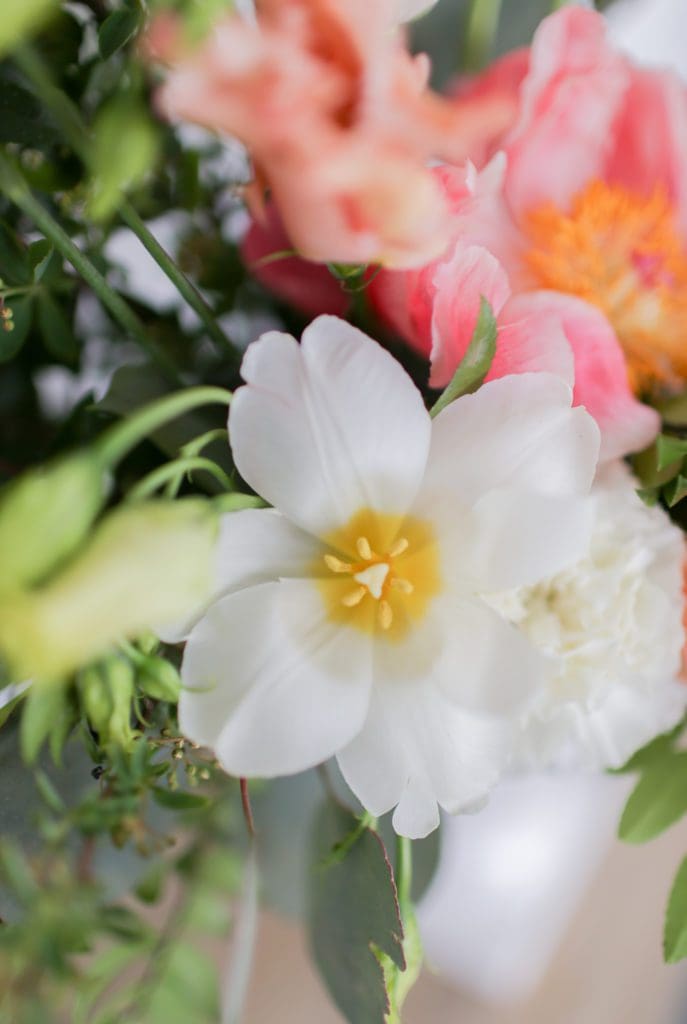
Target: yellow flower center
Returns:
[[381, 573], [621, 252]]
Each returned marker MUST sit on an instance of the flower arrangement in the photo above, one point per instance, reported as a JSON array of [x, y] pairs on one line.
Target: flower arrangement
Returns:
[[439, 541]]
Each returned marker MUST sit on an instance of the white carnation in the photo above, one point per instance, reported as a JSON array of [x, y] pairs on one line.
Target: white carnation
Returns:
[[613, 624]]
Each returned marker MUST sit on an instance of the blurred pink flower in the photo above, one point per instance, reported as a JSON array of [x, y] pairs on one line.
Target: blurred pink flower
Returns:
[[585, 211], [338, 120]]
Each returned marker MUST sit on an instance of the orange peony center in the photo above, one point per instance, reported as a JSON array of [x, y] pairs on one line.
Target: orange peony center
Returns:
[[621, 252]]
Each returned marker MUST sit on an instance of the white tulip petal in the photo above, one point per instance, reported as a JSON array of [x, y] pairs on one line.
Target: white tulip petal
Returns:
[[518, 429], [259, 545], [520, 537], [328, 427], [271, 685], [418, 750]]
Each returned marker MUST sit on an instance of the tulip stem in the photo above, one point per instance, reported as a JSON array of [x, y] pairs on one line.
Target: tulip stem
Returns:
[[404, 871], [116, 442]]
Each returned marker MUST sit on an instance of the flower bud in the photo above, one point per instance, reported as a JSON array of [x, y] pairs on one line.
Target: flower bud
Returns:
[[147, 565], [106, 692], [159, 679], [44, 516]]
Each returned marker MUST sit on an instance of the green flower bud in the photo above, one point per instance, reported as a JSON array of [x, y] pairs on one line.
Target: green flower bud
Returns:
[[147, 566], [106, 692], [159, 679], [45, 515]]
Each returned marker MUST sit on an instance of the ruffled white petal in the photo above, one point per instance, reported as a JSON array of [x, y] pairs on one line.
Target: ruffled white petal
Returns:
[[328, 427], [519, 429], [271, 685]]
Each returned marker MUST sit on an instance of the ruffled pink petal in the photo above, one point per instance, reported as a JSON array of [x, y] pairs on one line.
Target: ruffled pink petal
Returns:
[[307, 286], [501, 79], [472, 272], [650, 138], [531, 339], [568, 104], [601, 382]]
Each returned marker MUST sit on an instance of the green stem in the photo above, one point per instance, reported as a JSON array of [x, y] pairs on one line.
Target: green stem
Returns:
[[120, 439], [173, 470], [481, 28], [186, 288], [16, 189], [404, 872], [76, 133]]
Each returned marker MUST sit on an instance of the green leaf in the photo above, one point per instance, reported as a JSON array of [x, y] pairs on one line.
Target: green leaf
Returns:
[[178, 800], [675, 927], [44, 707], [675, 491], [670, 450], [658, 800], [125, 145], [48, 792], [22, 316], [15, 267], [475, 364], [353, 916], [117, 29], [658, 748], [20, 17], [56, 332]]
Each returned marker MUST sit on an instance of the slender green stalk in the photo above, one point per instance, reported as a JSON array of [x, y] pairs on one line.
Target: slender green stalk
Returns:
[[76, 133], [404, 871], [173, 470], [116, 442], [186, 288], [483, 22], [16, 189]]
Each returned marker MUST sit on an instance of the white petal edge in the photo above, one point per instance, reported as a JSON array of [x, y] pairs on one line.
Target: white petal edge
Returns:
[[270, 684], [328, 427]]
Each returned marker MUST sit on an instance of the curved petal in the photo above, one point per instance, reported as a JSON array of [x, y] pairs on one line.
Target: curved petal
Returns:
[[460, 282], [327, 428], [522, 537], [531, 339], [601, 382], [518, 429], [418, 750], [643, 159], [271, 685], [568, 103], [261, 545]]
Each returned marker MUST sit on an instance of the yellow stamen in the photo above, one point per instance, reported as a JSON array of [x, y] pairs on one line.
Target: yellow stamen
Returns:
[[405, 586], [399, 547], [385, 615], [354, 597], [364, 550], [336, 565]]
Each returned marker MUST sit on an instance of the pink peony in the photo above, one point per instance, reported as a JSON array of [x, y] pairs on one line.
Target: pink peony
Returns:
[[338, 120], [585, 211]]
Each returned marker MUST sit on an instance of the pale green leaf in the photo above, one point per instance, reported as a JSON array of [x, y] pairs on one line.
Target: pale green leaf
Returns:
[[475, 364], [658, 800], [675, 927]]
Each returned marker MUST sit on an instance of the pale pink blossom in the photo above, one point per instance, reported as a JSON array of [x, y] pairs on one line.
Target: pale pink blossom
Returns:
[[338, 121], [582, 200]]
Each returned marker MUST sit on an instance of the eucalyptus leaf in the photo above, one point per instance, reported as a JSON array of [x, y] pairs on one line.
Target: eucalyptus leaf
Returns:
[[353, 915], [117, 29], [675, 927], [658, 800], [475, 364]]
